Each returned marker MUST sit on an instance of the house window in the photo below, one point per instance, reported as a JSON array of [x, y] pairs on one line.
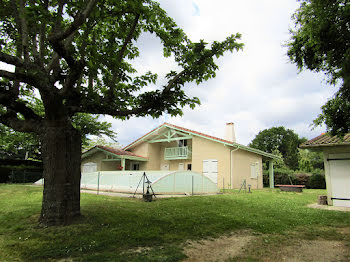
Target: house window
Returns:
[[189, 166], [135, 166], [254, 170], [182, 143]]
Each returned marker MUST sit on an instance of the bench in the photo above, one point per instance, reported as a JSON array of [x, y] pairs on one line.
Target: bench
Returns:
[[291, 188]]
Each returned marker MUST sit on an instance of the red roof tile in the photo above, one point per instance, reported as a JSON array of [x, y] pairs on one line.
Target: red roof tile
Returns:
[[204, 135], [137, 140], [116, 151], [199, 133], [183, 129], [326, 139]]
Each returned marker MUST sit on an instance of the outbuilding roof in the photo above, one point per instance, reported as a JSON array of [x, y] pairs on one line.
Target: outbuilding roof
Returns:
[[326, 139], [193, 132], [114, 151]]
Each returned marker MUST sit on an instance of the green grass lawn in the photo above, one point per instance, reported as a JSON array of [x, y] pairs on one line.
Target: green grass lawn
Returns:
[[126, 229]]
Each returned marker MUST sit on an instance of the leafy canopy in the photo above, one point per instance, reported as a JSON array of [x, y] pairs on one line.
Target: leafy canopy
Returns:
[[320, 41], [279, 139], [310, 161], [78, 56], [18, 145]]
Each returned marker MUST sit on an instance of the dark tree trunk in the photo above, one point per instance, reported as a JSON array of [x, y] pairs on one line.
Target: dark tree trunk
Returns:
[[61, 150]]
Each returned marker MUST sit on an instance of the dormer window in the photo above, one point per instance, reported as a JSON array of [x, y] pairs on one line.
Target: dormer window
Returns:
[[182, 143]]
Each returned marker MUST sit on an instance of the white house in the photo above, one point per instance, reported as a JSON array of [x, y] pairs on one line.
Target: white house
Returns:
[[336, 154]]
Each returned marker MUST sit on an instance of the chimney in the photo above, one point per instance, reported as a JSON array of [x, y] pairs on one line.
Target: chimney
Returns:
[[230, 132]]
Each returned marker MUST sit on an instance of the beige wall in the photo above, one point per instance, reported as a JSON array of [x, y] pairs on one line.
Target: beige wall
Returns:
[[101, 165], [95, 158], [241, 169], [204, 149], [155, 154], [150, 151], [141, 149], [173, 164]]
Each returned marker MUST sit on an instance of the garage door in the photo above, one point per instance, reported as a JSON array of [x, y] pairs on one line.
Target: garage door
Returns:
[[340, 181], [210, 169]]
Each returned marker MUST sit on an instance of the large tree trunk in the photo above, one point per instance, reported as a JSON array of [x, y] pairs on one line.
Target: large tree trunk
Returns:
[[61, 150]]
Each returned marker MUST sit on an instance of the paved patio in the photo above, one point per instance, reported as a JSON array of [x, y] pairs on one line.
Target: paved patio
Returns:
[[344, 209]]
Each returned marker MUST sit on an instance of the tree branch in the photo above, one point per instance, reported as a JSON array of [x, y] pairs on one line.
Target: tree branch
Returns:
[[121, 55], [8, 99], [42, 34], [12, 60], [173, 81], [18, 76], [10, 119], [62, 51], [35, 52], [74, 26], [24, 30], [103, 110], [127, 39]]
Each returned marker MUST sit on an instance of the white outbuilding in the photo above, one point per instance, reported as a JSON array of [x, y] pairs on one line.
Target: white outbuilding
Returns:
[[336, 152]]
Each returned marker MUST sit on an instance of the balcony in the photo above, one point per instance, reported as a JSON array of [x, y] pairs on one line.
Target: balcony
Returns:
[[174, 153]]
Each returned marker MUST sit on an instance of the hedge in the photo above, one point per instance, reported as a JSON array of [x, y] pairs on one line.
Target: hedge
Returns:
[[20, 173], [285, 176]]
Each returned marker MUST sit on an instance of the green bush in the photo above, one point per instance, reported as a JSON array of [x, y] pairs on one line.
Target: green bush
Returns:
[[20, 173], [301, 178], [285, 176], [4, 174], [317, 181]]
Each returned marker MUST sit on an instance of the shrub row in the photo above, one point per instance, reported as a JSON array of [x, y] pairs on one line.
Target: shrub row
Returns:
[[20, 174], [285, 176]]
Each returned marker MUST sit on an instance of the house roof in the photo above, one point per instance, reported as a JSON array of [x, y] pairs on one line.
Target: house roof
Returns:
[[326, 139], [193, 132], [120, 153]]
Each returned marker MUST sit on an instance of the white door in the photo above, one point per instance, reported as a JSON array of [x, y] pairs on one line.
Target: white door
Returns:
[[340, 181], [181, 166], [89, 167], [164, 167], [210, 169]]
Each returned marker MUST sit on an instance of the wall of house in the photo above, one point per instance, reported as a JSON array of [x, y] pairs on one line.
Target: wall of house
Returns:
[[101, 165], [173, 164], [151, 151], [154, 157], [94, 158], [241, 169], [155, 154], [141, 149], [204, 149], [110, 165], [326, 152]]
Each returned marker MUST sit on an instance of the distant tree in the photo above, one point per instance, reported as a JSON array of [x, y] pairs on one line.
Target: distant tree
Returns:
[[77, 55], [285, 140], [90, 125], [320, 41], [18, 145], [278, 163], [99, 141], [310, 161]]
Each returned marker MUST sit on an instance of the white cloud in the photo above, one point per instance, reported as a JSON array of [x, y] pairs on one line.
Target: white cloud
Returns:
[[256, 89]]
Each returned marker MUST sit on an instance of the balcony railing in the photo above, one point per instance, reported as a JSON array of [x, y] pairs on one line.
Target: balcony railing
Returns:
[[173, 153]]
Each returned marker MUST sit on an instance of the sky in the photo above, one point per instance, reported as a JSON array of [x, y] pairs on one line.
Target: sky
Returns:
[[256, 89]]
